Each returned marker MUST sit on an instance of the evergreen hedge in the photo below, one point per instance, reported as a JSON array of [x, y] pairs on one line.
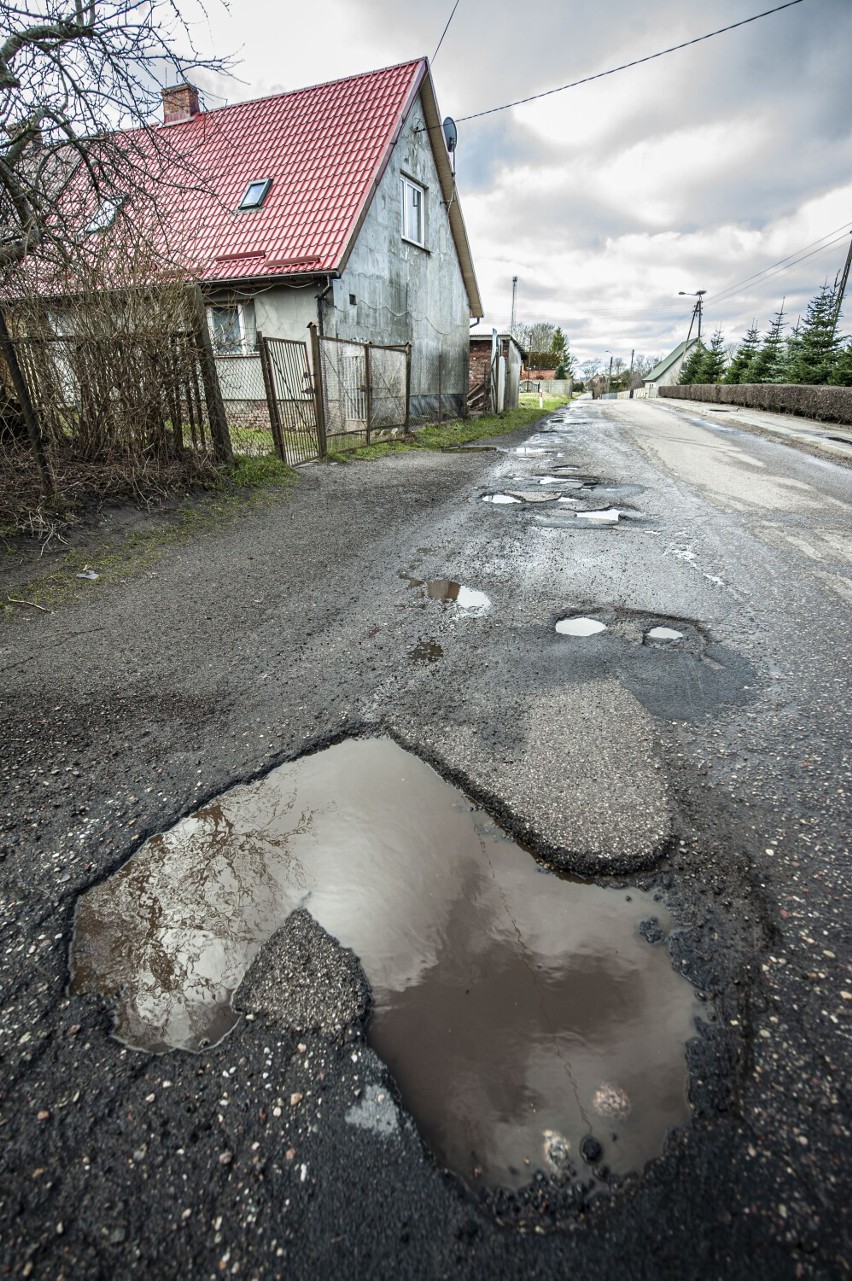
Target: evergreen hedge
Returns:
[[826, 404]]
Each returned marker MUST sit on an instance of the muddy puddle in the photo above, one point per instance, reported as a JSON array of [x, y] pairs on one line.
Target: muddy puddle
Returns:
[[519, 1012], [426, 652]]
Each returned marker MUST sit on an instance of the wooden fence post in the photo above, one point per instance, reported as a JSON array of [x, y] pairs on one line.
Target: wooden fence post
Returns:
[[319, 397], [368, 379], [22, 391], [271, 399], [212, 391]]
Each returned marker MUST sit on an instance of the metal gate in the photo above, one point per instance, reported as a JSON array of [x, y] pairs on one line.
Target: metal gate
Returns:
[[362, 388], [289, 387]]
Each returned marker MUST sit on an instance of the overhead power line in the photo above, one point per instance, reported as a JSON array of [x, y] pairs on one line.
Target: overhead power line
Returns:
[[784, 264], [446, 29], [625, 65]]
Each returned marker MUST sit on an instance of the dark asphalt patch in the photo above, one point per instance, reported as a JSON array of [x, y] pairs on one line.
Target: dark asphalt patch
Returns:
[[681, 677]]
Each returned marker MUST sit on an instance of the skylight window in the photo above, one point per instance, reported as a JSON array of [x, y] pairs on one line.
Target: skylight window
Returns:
[[106, 214], [255, 193]]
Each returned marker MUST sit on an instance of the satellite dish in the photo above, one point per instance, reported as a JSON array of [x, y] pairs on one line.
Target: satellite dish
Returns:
[[451, 133]]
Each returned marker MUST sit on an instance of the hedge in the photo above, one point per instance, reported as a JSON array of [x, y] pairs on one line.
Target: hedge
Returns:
[[827, 404]]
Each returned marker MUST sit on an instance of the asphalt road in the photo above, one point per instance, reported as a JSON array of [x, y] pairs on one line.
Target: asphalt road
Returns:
[[715, 772]]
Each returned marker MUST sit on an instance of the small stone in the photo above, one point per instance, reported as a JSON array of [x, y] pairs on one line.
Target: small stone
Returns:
[[290, 1154], [295, 1098], [276, 1111], [73, 1029], [43, 1115], [225, 1158], [301, 1047], [149, 1098], [591, 1150]]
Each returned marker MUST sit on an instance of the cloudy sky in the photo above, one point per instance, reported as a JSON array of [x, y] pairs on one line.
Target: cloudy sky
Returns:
[[695, 171]]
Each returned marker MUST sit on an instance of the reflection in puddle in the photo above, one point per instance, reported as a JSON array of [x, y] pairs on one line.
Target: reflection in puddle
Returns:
[[664, 634], [426, 652], [508, 1001], [465, 597], [608, 517], [580, 627], [499, 498]]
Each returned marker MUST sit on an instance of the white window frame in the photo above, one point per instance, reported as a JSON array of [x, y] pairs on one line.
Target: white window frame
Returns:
[[240, 308], [408, 184]]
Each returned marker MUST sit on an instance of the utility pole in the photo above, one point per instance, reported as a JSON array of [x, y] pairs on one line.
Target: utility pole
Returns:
[[514, 295], [696, 312], [630, 375], [841, 288], [609, 376]]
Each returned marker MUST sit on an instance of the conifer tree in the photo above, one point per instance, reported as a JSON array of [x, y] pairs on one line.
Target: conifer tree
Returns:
[[691, 364], [769, 361], [745, 354], [561, 353], [711, 367], [841, 374], [791, 349], [818, 343]]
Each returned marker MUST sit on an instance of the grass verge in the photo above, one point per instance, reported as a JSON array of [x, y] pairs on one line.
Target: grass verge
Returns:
[[251, 482], [441, 436]]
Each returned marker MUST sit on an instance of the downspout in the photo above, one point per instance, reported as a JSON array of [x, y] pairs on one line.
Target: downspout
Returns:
[[320, 299]]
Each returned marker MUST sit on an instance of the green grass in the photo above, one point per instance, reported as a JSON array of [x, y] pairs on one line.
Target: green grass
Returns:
[[250, 482], [441, 436]]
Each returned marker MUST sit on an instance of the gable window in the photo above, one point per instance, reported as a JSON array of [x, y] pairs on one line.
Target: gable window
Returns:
[[413, 212], [232, 328], [105, 215], [255, 193]]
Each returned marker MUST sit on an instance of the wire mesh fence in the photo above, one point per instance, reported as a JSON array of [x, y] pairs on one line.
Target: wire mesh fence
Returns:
[[365, 390], [243, 389]]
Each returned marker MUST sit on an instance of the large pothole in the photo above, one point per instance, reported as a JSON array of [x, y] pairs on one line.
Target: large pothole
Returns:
[[530, 1021]]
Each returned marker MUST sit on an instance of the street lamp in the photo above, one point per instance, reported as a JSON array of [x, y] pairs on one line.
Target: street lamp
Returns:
[[696, 311]]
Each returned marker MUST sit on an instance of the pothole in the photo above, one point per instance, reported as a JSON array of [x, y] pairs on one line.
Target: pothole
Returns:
[[580, 627], [664, 634], [445, 589], [426, 652], [525, 1017], [607, 516], [500, 498]]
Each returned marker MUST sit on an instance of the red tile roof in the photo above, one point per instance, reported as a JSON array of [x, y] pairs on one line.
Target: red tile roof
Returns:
[[324, 149]]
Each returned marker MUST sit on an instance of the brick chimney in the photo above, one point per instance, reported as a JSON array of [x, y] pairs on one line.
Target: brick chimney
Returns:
[[180, 102]]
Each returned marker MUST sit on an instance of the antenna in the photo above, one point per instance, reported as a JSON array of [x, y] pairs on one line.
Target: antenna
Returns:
[[451, 134]]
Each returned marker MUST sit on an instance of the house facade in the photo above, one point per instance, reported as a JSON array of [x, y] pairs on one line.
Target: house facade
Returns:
[[334, 206], [667, 371]]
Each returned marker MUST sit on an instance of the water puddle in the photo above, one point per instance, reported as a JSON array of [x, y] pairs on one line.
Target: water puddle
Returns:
[[580, 627], [607, 517], [465, 597], [663, 634], [526, 1018], [500, 498], [426, 652]]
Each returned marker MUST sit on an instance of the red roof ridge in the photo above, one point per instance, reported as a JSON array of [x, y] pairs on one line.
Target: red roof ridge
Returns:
[[287, 93]]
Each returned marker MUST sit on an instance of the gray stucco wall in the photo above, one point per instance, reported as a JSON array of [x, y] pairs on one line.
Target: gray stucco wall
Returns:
[[404, 293]]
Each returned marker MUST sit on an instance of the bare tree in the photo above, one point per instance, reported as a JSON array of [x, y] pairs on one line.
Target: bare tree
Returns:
[[80, 84]]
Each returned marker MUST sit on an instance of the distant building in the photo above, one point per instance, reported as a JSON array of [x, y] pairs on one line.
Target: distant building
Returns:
[[494, 387], [667, 372]]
